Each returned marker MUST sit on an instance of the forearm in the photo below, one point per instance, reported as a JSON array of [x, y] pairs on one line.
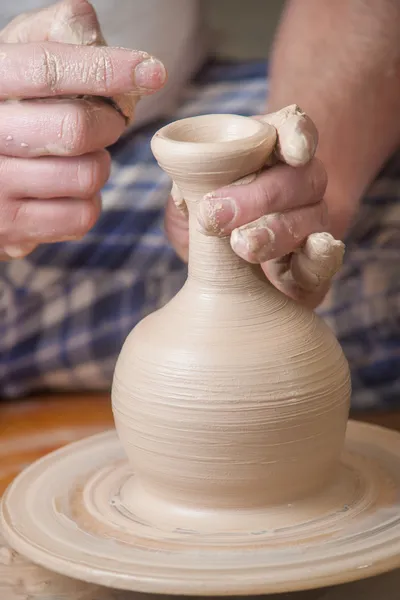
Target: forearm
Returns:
[[340, 62]]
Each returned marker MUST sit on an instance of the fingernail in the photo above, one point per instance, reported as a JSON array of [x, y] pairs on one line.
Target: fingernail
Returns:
[[253, 242], [215, 214], [15, 251], [150, 74]]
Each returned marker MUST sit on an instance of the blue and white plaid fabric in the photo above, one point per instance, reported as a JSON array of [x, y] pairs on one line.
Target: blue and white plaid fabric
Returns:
[[66, 309]]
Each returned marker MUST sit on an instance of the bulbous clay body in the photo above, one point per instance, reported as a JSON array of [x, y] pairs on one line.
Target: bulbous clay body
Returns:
[[232, 396]]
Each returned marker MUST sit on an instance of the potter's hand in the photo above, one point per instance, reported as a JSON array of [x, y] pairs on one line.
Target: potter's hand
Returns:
[[274, 217], [55, 121]]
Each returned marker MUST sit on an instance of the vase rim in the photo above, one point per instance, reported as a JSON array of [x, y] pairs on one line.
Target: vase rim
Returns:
[[213, 131]]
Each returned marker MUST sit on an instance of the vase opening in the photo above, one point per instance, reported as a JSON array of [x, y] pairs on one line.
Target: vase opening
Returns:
[[209, 129]]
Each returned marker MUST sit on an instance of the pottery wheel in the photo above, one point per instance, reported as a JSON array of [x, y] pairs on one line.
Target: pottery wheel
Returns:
[[73, 513]]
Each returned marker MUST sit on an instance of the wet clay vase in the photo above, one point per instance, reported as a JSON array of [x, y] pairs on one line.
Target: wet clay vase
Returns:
[[231, 471], [232, 397]]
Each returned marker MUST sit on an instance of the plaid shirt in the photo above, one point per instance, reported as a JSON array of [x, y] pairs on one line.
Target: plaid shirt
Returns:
[[67, 308]]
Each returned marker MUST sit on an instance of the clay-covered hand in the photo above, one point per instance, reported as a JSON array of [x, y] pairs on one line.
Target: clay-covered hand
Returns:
[[64, 97], [275, 217]]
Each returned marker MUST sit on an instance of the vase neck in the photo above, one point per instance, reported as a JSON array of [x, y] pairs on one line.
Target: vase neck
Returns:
[[212, 262]]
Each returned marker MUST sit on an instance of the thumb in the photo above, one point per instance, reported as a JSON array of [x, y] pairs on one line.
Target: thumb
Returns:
[[297, 136], [68, 21]]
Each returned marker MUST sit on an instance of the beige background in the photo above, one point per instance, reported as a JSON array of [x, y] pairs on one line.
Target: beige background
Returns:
[[243, 28]]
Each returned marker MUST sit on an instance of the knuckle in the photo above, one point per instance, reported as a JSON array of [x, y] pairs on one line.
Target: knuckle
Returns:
[[46, 70], [316, 218], [318, 179], [101, 71], [79, 8], [264, 195], [324, 217], [78, 11], [77, 23], [272, 189], [322, 175], [95, 70], [75, 130]]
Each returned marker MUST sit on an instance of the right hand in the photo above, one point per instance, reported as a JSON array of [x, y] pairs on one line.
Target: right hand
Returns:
[[55, 121], [276, 218]]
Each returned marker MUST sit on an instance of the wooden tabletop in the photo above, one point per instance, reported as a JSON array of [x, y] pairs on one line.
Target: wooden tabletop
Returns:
[[31, 428]]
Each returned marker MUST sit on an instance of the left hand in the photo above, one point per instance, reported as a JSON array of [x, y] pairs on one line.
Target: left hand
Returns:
[[64, 99], [275, 217]]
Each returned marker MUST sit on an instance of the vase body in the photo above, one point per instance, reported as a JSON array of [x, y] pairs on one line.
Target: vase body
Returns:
[[231, 396]]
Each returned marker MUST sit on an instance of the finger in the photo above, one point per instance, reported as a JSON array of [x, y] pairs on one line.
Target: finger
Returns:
[[275, 190], [276, 235], [69, 21], [53, 177], [35, 70], [36, 221], [33, 128], [176, 229], [283, 280], [317, 261], [297, 136], [306, 275]]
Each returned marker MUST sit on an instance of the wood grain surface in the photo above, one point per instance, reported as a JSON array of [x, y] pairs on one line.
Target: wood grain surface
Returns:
[[31, 428]]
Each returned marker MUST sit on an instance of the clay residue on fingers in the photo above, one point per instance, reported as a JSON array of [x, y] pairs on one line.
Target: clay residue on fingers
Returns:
[[255, 241], [211, 215], [306, 274], [218, 210], [297, 136], [69, 22], [317, 261], [178, 199], [278, 118], [76, 22]]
